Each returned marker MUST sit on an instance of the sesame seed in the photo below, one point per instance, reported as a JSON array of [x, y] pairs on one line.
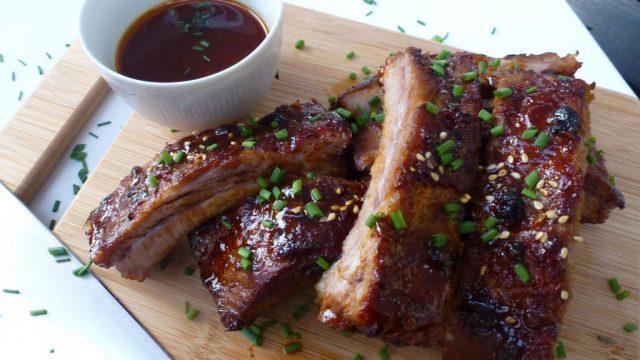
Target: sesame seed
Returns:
[[190, 157], [233, 143], [349, 203], [420, 157], [435, 176], [483, 270], [429, 164], [540, 217], [525, 158], [540, 184], [297, 209], [578, 238], [428, 155], [412, 169], [510, 159], [464, 200], [516, 175], [500, 165], [194, 133], [539, 235], [338, 191], [543, 192], [331, 217], [335, 207], [563, 219], [490, 198], [356, 209], [551, 214], [491, 167], [502, 173], [343, 208], [538, 205], [187, 143], [510, 320], [441, 169], [204, 156], [505, 234], [205, 138], [467, 196], [443, 135], [553, 184], [564, 252], [493, 177], [356, 197], [564, 295]]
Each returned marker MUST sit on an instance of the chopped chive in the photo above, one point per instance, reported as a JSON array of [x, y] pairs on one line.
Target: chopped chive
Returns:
[[22, 62], [398, 220], [529, 134], [374, 101], [245, 131], [606, 340], [57, 251], [278, 205], [379, 118], [299, 44], [311, 175], [76, 189], [420, 22], [204, 43], [482, 67], [542, 140], [256, 329], [178, 157], [313, 211], [275, 124], [371, 221], [226, 224], [63, 260], [206, 58], [202, 147], [468, 76], [529, 193], [456, 164], [38, 312], [532, 179], [590, 141], [494, 63], [438, 38], [493, 31], [52, 224], [531, 90], [490, 223], [20, 94], [40, 70], [267, 224], [13, 76], [282, 134], [332, 100], [276, 175], [489, 235], [316, 195], [451, 207], [439, 240], [446, 158], [365, 70], [165, 158], [189, 270], [152, 181], [192, 314], [296, 187], [383, 353], [94, 135], [445, 146], [485, 115], [522, 272], [277, 193], [467, 227], [443, 54], [560, 352], [401, 29], [502, 92], [344, 113], [253, 337], [245, 263], [104, 123], [458, 90], [623, 294], [630, 327], [302, 310], [612, 180], [564, 78], [351, 55], [315, 118], [591, 158], [497, 131], [262, 182], [432, 108], [352, 76], [357, 357], [2, 58], [437, 69], [291, 348], [11, 291], [324, 264], [369, 13], [285, 330], [244, 252], [83, 270], [248, 144]]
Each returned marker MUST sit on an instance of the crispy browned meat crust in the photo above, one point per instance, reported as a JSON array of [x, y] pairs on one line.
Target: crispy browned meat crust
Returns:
[[601, 196], [137, 225], [498, 314], [283, 257], [395, 283]]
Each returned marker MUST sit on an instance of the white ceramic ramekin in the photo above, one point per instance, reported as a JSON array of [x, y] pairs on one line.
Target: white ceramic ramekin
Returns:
[[197, 104]]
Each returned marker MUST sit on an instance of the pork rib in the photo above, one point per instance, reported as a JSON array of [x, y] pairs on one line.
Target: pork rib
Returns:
[[156, 205], [283, 258], [395, 282]]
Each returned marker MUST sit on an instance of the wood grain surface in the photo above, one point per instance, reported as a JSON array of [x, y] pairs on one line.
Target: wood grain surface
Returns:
[[609, 250], [34, 139]]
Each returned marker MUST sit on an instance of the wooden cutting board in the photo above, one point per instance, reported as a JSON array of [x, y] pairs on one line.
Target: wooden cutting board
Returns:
[[609, 250]]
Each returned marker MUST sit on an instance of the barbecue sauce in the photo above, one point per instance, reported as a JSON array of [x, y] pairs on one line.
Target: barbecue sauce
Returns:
[[183, 40]]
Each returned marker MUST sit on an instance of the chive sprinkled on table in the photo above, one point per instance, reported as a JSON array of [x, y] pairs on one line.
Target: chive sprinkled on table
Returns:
[[10, 291], [560, 351], [189, 270], [38, 312], [301, 311], [192, 314], [420, 22], [292, 347], [401, 29], [630, 327], [299, 44], [57, 251], [352, 76], [383, 353], [351, 55], [104, 123], [254, 338], [365, 70]]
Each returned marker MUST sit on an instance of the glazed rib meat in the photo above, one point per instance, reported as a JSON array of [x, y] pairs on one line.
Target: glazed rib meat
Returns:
[[157, 204], [514, 284], [601, 196], [394, 281], [283, 257]]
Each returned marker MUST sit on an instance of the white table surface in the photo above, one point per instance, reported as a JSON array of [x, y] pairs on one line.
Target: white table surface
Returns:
[[521, 27]]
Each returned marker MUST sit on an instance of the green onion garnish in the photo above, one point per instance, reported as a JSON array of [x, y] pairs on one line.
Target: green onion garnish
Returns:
[[490, 222], [76, 188], [614, 284], [531, 90], [438, 69], [432, 108], [623, 294], [439, 240], [401, 29], [311, 175], [313, 211], [245, 263], [300, 44], [497, 131], [529, 193], [165, 158], [365, 70], [324, 264], [57, 251], [267, 223], [245, 131], [542, 140], [378, 118], [52, 224], [291, 348], [485, 115], [532, 179], [383, 353], [265, 194], [83, 270], [279, 205], [458, 90], [446, 158], [489, 235], [178, 157], [226, 224], [371, 221], [522, 273], [262, 182], [104, 123], [354, 128], [302, 310], [445, 146], [285, 330], [11, 291], [630, 327], [451, 207], [20, 94], [316, 195], [493, 31], [351, 55], [374, 101], [244, 252], [276, 175], [420, 22], [467, 227], [502, 92], [358, 357], [282, 134], [560, 352], [248, 144], [606, 340], [591, 158], [38, 312], [332, 100], [63, 260], [590, 141], [482, 67], [344, 113], [529, 134], [296, 187], [438, 38], [564, 78], [253, 337], [94, 135], [352, 76], [468, 76], [494, 63], [443, 54], [189, 270], [456, 164], [612, 180], [398, 220]]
